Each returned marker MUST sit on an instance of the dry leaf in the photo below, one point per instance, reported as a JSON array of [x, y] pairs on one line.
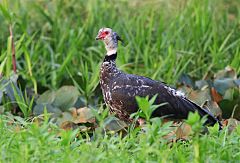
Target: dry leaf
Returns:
[[84, 115], [68, 125], [183, 131], [216, 96], [214, 108]]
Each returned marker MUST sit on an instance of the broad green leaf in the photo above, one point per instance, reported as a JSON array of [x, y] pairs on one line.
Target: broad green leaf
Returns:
[[64, 117], [39, 109], [66, 97], [143, 104], [46, 98], [152, 100]]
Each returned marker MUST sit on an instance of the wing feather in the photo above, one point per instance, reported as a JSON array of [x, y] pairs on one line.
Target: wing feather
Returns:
[[127, 86]]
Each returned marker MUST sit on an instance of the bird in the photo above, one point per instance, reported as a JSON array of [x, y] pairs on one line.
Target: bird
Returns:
[[121, 89]]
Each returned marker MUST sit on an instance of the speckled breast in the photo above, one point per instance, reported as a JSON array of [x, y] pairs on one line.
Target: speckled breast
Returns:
[[108, 74]]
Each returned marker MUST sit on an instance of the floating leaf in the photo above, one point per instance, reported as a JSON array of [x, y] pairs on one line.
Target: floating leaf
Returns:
[[114, 124], [46, 98], [66, 97]]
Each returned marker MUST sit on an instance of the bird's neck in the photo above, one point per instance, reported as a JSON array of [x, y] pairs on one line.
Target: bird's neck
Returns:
[[108, 69], [110, 58]]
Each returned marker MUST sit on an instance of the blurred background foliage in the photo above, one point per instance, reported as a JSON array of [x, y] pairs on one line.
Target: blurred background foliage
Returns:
[[191, 44], [55, 42]]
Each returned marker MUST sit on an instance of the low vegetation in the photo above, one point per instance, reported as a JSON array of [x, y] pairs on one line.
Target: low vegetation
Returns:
[[51, 106]]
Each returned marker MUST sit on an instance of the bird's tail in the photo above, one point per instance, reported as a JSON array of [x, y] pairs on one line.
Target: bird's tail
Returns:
[[211, 120]]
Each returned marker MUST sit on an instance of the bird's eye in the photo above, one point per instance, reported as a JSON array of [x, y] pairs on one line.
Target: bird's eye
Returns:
[[106, 32]]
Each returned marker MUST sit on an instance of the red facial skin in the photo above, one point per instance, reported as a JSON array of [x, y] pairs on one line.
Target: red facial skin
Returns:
[[102, 35]]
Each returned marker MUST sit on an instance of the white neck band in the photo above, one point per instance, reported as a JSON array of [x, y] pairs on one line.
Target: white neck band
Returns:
[[111, 52]]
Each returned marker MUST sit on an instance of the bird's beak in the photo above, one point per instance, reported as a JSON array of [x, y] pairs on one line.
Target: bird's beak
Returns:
[[97, 38]]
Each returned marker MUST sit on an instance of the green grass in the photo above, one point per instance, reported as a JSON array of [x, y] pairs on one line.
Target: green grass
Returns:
[[29, 142], [55, 46], [163, 39]]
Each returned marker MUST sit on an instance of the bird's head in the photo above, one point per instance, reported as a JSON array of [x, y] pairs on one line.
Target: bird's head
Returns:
[[110, 39]]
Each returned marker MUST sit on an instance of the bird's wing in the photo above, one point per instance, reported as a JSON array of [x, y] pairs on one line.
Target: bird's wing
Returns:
[[128, 86]]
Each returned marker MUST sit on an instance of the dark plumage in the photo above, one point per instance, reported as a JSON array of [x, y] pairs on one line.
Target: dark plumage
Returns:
[[120, 89]]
